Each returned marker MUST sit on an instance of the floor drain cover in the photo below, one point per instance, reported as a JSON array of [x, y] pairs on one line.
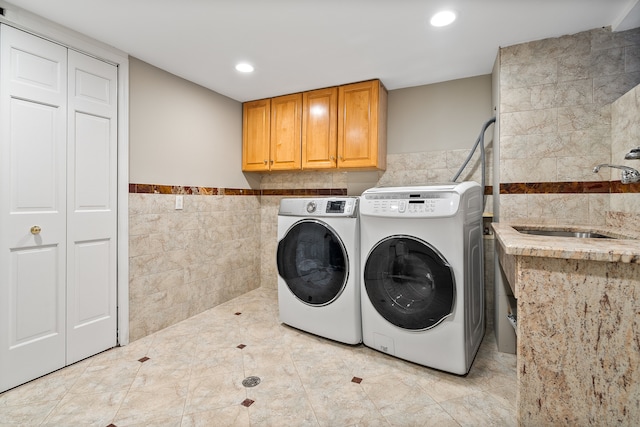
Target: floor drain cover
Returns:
[[251, 381]]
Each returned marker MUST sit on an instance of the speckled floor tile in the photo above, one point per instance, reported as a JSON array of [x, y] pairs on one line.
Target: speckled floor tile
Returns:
[[215, 392], [26, 414], [427, 416], [343, 404], [151, 406], [479, 409], [72, 409], [406, 395], [231, 416]]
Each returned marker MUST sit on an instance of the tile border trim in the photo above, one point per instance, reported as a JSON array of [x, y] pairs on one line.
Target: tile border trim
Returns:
[[569, 187], [220, 191]]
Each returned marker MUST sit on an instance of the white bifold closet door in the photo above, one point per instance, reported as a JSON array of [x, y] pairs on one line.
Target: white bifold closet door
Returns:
[[58, 210]]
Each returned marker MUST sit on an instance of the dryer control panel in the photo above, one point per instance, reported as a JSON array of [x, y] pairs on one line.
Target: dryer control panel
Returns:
[[426, 203]]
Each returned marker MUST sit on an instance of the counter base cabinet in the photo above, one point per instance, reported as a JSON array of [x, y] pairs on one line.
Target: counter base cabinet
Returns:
[[578, 345], [341, 128]]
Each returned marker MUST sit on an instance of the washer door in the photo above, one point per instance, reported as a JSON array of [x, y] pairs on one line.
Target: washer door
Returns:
[[409, 283], [313, 262]]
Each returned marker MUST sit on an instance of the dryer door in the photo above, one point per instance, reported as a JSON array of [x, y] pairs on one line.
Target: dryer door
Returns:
[[409, 283], [313, 262]]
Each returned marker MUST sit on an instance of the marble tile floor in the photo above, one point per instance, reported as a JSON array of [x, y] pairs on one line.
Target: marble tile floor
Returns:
[[191, 374]]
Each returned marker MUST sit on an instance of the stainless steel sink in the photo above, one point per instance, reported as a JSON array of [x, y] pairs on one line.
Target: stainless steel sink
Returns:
[[562, 233]]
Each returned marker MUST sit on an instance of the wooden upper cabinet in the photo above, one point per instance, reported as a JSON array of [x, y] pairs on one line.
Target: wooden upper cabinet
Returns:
[[256, 134], [362, 126], [286, 123], [320, 128], [342, 127], [271, 131]]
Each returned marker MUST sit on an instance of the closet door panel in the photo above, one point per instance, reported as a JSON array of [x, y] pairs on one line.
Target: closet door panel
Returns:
[[92, 207], [34, 148], [33, 94]]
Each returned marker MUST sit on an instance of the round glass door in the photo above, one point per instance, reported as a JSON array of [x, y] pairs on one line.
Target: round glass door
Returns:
[[409, 283], [313, 262]]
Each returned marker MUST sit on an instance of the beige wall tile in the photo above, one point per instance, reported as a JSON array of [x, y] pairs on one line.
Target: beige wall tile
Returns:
[[529, 170], [557, 123], [529, 122], [184, 262], [567, 208]]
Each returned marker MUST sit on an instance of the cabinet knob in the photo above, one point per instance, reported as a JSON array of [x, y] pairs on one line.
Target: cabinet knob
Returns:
[[35, 229], [265, 162], [333, 158]]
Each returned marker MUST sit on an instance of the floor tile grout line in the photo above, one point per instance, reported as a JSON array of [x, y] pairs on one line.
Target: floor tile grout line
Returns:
[[67, 392], [186, 398], [306, 392], [124, 398]]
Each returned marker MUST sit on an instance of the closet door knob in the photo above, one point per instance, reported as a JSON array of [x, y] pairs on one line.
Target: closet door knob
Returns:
[[35, 229]]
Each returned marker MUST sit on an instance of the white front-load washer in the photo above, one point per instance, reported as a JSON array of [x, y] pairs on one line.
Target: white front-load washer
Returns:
[[422, 275], [318, 258]]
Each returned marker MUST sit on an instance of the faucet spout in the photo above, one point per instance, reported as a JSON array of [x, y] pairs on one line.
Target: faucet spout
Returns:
[[628, 176]]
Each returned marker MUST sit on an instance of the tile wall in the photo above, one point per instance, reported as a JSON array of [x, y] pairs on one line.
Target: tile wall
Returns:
[[182, 262], [555, 122], [625, 134]]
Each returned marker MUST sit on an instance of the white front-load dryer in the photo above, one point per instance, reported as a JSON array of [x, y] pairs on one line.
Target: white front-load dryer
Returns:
[[318, 275], [422, 276]]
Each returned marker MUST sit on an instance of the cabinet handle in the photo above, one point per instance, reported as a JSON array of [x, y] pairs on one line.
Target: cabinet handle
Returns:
[[333, 158], [341, 159], [271, 161], [265, 162]]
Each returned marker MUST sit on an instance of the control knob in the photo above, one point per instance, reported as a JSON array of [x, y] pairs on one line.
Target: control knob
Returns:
[[311, 207]]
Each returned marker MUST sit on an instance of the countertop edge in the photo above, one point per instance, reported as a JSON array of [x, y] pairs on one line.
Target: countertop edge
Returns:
[[625, 249]]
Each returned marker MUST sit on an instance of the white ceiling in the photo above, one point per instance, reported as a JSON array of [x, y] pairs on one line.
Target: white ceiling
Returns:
[[298, 45]]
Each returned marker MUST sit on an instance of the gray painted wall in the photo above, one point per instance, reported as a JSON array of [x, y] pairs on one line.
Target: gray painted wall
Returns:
[[441, 116], [182, 133]]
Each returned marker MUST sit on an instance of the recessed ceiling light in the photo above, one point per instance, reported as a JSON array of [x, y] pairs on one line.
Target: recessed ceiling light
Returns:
[[443, 18], [243, 67]]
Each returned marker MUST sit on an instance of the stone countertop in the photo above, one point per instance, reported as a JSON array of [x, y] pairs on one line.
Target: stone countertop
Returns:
[[624, 248]]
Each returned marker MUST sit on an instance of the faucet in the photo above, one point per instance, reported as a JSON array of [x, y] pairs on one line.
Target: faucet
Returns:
[[628, 176], [633, 154]]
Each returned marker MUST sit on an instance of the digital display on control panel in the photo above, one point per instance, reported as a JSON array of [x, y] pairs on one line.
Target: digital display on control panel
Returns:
[[335, 206]]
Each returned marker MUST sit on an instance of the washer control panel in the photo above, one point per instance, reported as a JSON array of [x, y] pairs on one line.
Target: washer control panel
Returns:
[[319, 207]]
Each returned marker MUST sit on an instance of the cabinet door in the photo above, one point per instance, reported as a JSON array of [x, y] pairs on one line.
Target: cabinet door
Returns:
[[286, 123], [320, 128], [256, 131], [362, 125]]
